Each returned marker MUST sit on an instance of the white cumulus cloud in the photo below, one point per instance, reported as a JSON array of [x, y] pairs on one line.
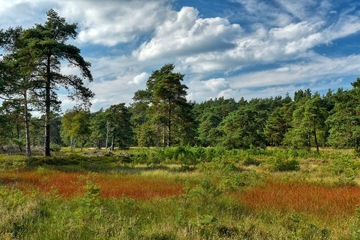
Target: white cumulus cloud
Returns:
[[139, 79], [187, 34], [110, 22]]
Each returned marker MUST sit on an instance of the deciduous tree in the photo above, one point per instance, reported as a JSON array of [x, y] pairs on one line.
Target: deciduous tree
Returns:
[[75, 127]]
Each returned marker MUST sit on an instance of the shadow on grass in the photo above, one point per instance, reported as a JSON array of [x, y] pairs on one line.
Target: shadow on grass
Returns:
[[103, 164]]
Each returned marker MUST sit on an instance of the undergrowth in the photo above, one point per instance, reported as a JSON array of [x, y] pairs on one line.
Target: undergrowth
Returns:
[[226, 195]]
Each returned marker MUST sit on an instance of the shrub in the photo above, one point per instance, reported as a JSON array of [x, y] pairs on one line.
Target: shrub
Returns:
[[251, 161], [345, 168], [17, 210], [55, 147], [284, 165]]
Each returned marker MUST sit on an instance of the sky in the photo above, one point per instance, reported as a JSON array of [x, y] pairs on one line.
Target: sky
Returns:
[[225, 48]]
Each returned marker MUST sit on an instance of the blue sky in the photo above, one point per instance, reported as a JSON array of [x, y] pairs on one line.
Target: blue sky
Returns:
[[229, 48]]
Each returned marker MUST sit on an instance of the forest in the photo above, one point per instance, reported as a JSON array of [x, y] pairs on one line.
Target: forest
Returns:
[[305, 121], [159, 115]]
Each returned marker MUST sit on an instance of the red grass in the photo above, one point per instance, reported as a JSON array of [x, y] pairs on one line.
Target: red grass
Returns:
[[300, 197], [138, 187], [71, 184], [303, 197]]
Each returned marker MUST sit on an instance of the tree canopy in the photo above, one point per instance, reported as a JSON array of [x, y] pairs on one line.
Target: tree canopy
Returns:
[[167, 110]]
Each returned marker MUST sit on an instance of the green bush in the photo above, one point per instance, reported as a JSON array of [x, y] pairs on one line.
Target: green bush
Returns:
[[17, 211], [346, 168], [55, 147], [251, 161], [284, 165]]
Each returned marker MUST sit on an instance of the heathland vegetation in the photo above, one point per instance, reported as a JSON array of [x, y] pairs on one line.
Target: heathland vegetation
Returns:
[[181, 193], [164, 167]]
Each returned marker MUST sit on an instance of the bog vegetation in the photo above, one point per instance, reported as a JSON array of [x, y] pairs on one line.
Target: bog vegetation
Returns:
[[181, 193], [164, 167]]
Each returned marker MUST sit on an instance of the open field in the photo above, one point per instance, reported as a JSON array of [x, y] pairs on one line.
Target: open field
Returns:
[[181, 193]]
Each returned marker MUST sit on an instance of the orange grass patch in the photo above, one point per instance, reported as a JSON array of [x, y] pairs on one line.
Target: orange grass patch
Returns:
[[303, 198], [71, 184], [138, 187]]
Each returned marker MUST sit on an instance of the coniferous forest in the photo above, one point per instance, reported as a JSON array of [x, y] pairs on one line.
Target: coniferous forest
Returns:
[[159, 115]]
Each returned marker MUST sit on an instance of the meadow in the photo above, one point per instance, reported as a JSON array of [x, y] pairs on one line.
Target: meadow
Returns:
[[181, 193]]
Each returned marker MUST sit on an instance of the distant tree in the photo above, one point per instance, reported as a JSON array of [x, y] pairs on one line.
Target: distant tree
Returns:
[[144, 130], [276, 126], [314, 118], [75, 127], [308, 120], [300, 94], [13, 123], [167, 108], [7, 126], [209, 134], [118, 119], [185, 125], [243, 129], [344, 121], [98, 128], [210, 114], [168, 98], [55, 125], [146, 135], [37, 131]]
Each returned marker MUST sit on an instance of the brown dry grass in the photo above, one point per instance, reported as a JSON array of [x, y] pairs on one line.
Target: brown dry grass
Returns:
[[322, 201], [112, 185]]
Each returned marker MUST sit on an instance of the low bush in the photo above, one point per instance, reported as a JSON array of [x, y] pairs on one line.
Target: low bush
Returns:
[[283, 165], [346, 168], [251, 161]]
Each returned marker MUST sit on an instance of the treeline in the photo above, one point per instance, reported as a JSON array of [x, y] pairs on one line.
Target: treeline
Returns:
[[159, 115]]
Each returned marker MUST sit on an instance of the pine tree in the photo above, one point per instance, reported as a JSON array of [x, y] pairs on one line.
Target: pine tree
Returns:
[[44, 47]]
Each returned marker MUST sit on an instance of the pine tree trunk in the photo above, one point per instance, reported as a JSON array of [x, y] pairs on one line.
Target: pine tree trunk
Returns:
[[163, 137], [47, 109], [107, 135], [316, 141], [169, 125], [27, 127], [18, 136]]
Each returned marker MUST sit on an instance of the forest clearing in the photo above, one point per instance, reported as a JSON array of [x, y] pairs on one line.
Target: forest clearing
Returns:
[[163, 166], [159, 194]]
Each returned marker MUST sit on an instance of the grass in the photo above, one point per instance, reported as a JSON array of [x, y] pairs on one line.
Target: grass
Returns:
[[112, 185], [227, 195], [326, 202]]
